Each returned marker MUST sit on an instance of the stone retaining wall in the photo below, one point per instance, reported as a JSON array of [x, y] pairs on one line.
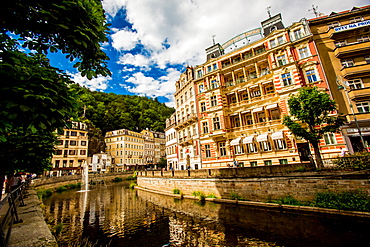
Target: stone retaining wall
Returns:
[[54, 182], [301, 185]]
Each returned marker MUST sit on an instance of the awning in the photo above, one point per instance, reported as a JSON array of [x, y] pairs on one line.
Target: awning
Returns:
[[248, 139], [271, 106], [257, 109], [277, 135], [235, 141], [262, 138], [243, 112]]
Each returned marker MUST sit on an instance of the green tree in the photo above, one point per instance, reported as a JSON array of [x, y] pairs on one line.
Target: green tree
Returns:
[[312, 116], [36, 98]]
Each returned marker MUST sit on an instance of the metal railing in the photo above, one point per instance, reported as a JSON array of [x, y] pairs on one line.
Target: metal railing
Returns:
[[9, 211]]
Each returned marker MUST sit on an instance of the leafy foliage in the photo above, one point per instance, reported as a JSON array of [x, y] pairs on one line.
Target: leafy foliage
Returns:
[[109, 111], [311, 117], [358, 201], [357, 161]]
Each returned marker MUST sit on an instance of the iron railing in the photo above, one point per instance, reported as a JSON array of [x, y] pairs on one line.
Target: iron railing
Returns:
[[9, 211]]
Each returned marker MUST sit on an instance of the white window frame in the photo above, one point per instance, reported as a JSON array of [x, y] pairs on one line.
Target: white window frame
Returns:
[[334, 24], [363, 107], [286, 78], [364, 38], [281, 60], [355, 84], [304, 52], [239, 149], [311, 75], [222, 148], [213, 100], [340, 43], [356, 19], [347, 63], [265, 146], [330, 139]]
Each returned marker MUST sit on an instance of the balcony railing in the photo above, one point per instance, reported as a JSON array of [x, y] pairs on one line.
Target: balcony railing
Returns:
[[357, 94], [352, 50], [359, 70]]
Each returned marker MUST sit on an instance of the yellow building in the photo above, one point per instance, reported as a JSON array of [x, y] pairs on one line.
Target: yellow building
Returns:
[[71, 153], [343, 42], [155, 147], [127, 148]]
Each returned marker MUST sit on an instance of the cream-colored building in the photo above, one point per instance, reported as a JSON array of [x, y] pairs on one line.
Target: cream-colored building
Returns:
[[71, 153], [127, 149], [343, 42], [171, 143]]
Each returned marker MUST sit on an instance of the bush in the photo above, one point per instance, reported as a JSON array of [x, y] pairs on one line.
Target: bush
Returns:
[[131, 178], [357, 161], [200, 195], [117, 179], [212, 195], [176, 191], [44, 193], [236, 196], [72, 186], [61, 188], [132, 185], [355, 201], [289, 200]]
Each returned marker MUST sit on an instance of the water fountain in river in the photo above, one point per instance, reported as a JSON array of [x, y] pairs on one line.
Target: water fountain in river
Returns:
[[85, 178]]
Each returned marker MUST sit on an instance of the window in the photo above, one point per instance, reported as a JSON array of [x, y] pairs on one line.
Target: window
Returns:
[[265, 146], [199, 73], [297, 34], [64, 163], [363, 107], [202, 106], [205, 127], [82, 152], [333, 24], [71, 163], [201, 88], [355, 19], [267, 162], [235, 122], [261, 117], [367, 59], [177, 103], [248, 119], [190, 93], [347, 63], [280, 144], [213, 101], [329, 138], [60, 142], [186, 96], [311, 75], [255, 92], [272, 43], [253, 163], [215, 66], [57, 162], [222, 146], [363, 39], [208, 150], [303, 52], [72, 152], [244, 95], [83, 143], [281, 60], [355, 84], [58, 152], [340, 43], [216, 123], [182, 99], [283, 161], [72, 143], [280, 40], [214, 84], [251, 148], [239, 149], [231, 98], [209, 68], [275, 114], [73, 133], [287, 79]]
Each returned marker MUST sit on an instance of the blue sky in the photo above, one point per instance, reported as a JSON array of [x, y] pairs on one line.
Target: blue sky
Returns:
[[152, 41]]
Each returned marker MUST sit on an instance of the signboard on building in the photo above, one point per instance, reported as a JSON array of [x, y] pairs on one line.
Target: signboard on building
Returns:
[[239, 37], [352, 26]]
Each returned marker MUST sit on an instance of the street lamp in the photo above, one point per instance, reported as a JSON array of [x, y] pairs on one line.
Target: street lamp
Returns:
[[342, 86]]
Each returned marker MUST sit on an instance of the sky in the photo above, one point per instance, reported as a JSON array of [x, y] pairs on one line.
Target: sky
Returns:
[[152, 41]]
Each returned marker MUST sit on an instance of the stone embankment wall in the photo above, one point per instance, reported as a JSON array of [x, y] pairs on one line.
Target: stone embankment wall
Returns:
[[256, 183], [54, 182]]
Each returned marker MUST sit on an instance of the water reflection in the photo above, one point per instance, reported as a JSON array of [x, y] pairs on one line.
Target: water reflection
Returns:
[[117, 216]]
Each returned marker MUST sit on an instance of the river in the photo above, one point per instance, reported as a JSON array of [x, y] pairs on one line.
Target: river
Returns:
[[114, 215]]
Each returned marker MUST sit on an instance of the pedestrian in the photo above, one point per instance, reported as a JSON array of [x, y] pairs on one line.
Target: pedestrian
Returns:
[[15, 181], [342, 152]]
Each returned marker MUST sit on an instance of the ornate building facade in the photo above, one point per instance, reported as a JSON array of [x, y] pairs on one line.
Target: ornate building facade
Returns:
[[71, 153], [343, 42]]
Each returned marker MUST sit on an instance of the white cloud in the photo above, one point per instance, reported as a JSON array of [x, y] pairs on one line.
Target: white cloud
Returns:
[[99, 83], [124, 40], [151, 87], [136, 60]]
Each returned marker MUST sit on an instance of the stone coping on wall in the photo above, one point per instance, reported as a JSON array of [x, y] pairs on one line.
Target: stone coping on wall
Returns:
[[267, 205]]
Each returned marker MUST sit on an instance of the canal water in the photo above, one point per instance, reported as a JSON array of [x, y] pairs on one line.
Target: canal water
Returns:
[[115, 215]]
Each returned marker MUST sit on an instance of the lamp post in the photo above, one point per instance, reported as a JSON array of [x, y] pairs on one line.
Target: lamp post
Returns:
[[342, 86]]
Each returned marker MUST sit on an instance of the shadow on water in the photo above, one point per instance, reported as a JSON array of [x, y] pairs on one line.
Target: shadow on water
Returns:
[[118, 216]]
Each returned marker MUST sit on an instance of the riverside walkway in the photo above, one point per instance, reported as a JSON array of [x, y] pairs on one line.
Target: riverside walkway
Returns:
[[33, 230]]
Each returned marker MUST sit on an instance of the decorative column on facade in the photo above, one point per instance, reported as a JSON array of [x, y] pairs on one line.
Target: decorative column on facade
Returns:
[[257, 70]]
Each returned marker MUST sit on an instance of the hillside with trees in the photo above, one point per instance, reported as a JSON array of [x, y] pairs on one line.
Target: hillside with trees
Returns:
[[109, 111]]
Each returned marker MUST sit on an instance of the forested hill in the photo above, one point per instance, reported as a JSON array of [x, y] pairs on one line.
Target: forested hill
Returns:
[[109, 111]]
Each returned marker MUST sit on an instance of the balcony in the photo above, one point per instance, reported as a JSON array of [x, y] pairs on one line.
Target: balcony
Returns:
[[190, 118], [352, 50], [356, 71], [185, 141], [359, 116], [359, 94]]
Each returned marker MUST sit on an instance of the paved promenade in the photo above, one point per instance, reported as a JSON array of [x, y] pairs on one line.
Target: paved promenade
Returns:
[[33, 231]]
